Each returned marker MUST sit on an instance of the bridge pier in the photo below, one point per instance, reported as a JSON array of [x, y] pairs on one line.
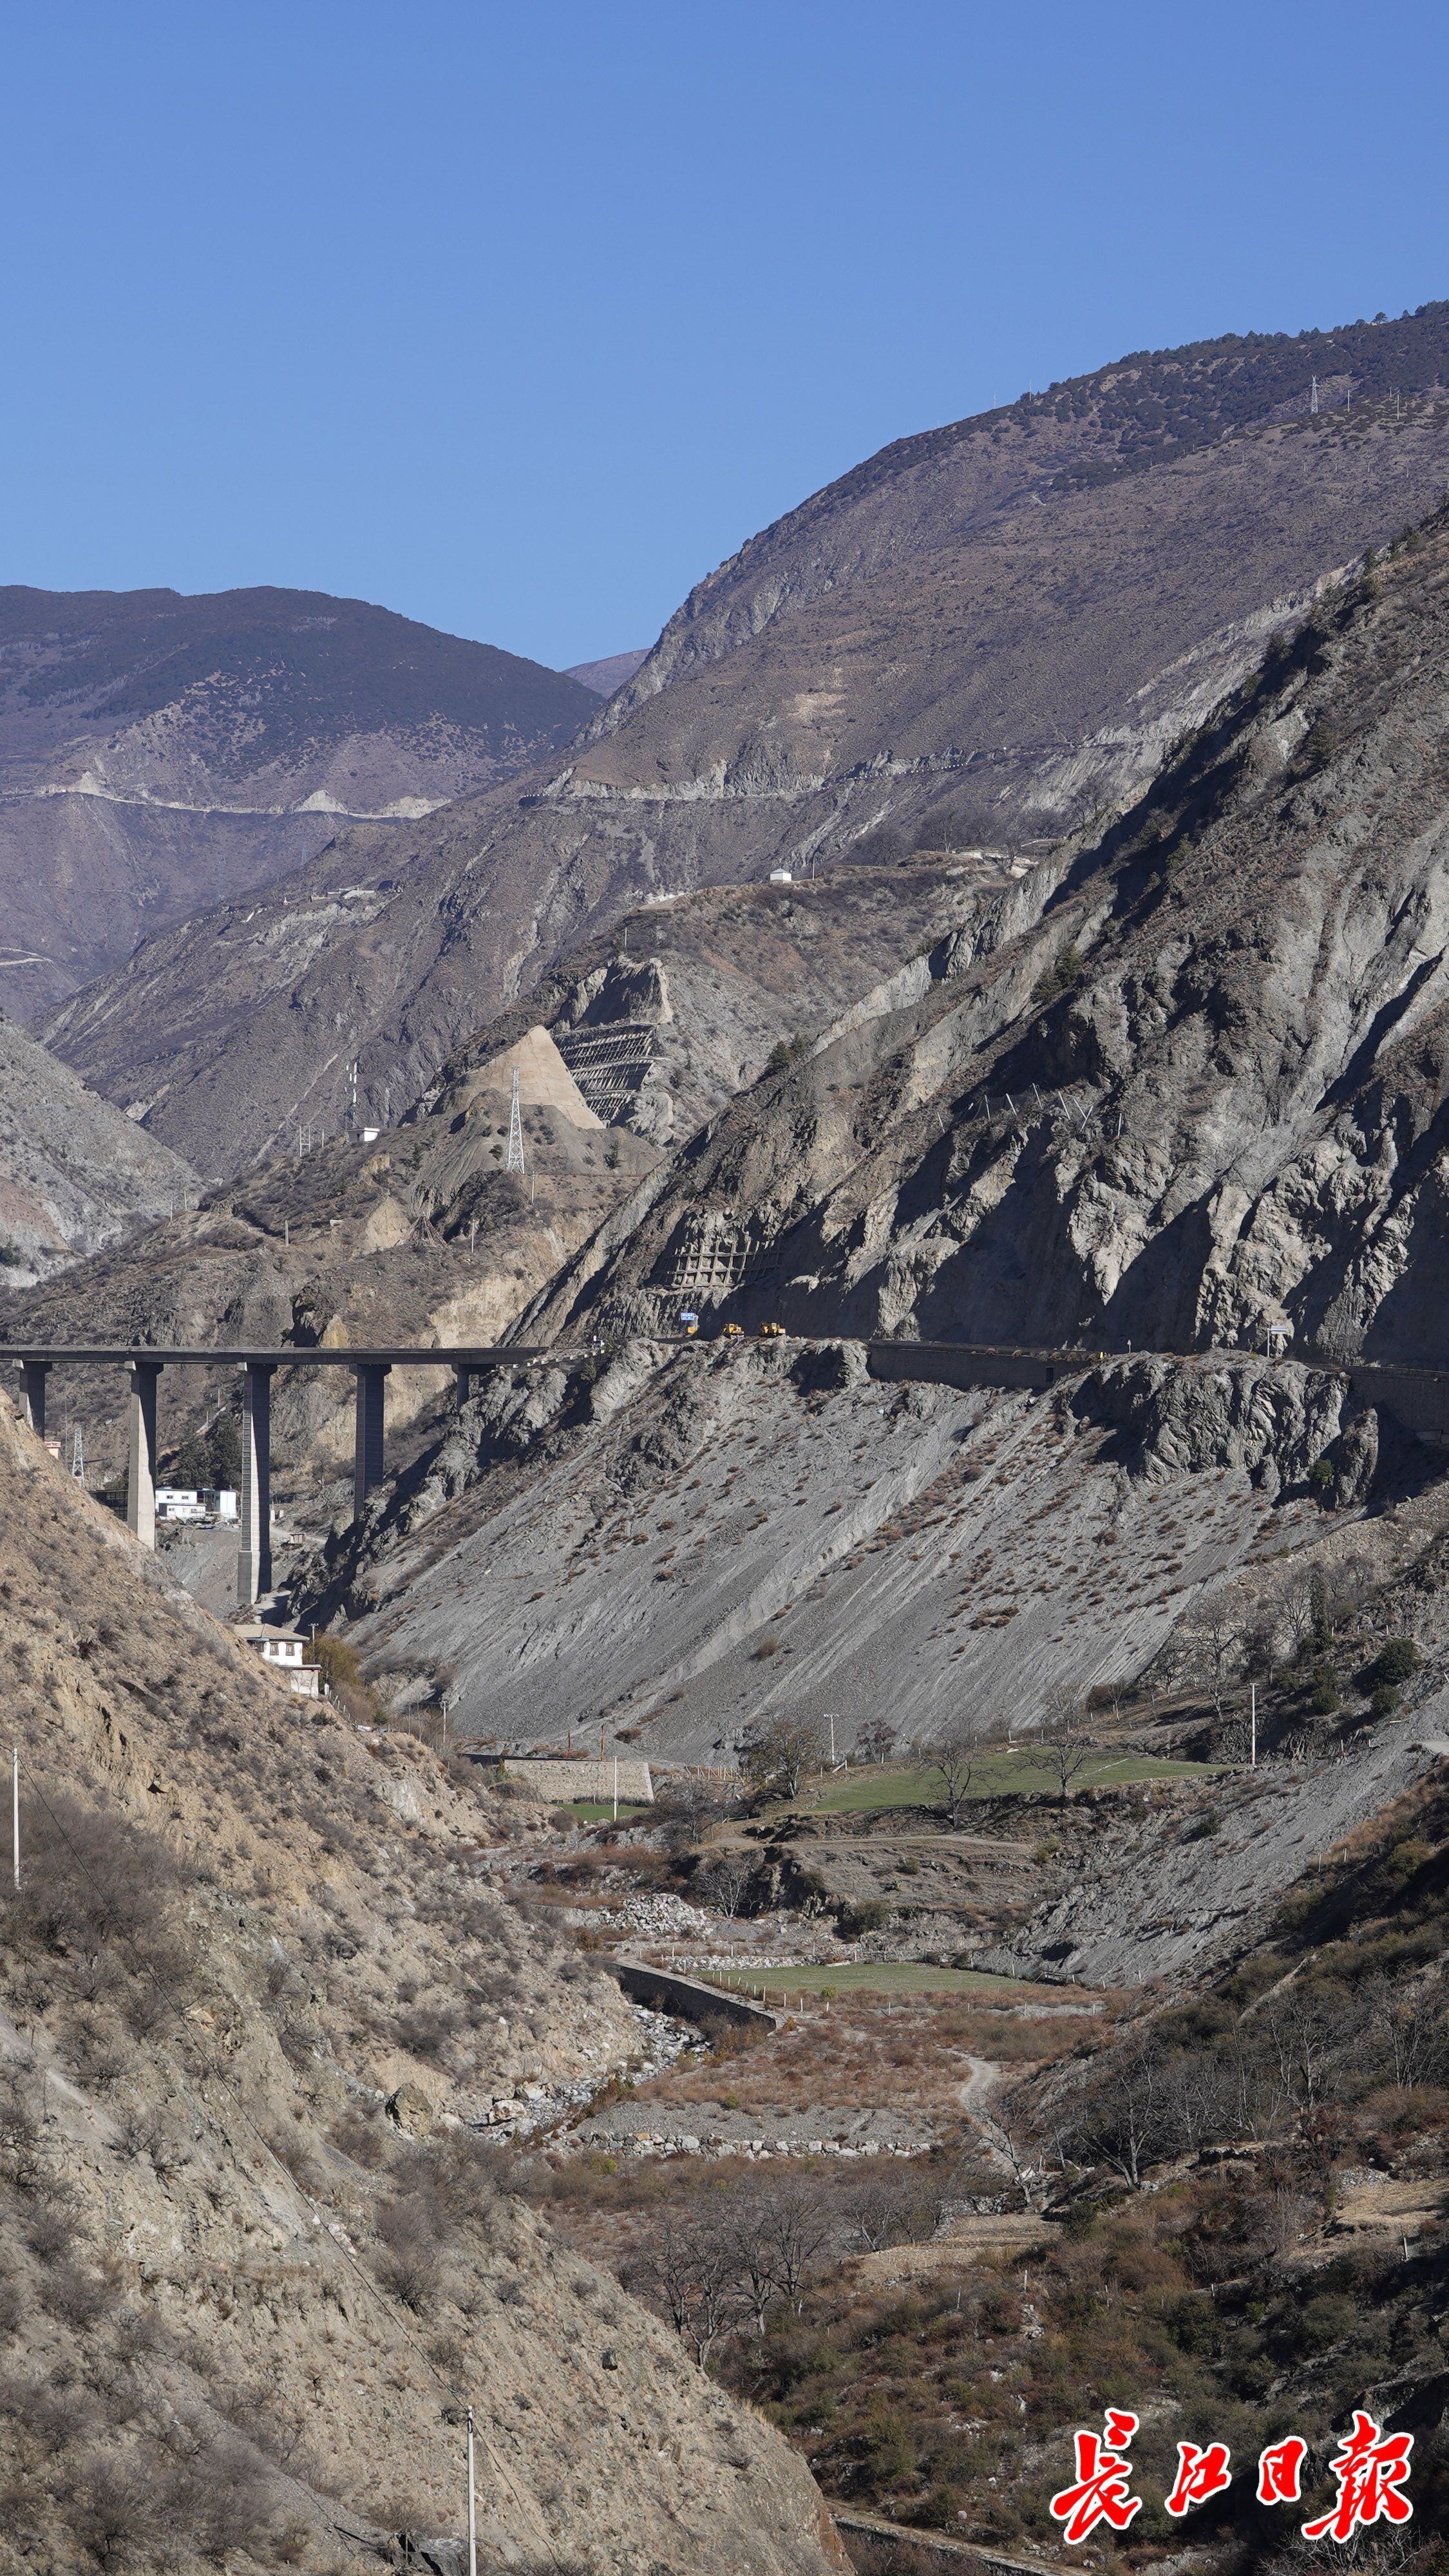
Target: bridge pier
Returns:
[[141, 1452], [33, 1374], [254, 1561], [367, 1453]]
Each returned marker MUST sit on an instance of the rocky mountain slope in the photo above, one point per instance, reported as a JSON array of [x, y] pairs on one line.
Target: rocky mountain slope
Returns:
[[991, 632], [253, 1989], [666, 1015], [420, 1236], [74, 1174], [685, 1545], [1199, 1097], [1181, 1087], [160, 753]]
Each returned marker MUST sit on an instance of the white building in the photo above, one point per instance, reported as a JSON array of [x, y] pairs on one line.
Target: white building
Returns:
[[282, 1649], [186, 1503]]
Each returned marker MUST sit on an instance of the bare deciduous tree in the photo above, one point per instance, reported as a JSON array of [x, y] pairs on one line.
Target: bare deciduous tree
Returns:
[[799, 2223], [952, 1760], [726, 1881], [779, 1755], [1012, 2151], [692, 2271], [1219, 1634], [1064, 1745], [880, 2211], [1124, 2120]]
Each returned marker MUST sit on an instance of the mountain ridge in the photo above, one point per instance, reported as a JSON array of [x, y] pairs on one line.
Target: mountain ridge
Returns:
[[158, 747], [991, 659]]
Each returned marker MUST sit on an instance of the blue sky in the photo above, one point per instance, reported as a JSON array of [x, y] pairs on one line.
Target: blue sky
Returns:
[[519, 319]]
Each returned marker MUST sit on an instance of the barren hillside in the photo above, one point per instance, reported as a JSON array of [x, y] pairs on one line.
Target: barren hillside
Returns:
[[1200, 1097], [74, 1174], [993, 631], [160, 753], [419, 1237], [258, 1996], [1189, 1098]]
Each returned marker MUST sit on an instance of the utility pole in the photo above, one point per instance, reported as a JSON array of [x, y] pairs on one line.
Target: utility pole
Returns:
[[616, 1793], [15, 1809], [515, 1130], [1313, 402], [472, 2505], [78, 1456], [1253, 1727]]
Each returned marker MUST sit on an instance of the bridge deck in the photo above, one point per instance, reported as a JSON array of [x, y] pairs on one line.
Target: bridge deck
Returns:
[[403, 1355]]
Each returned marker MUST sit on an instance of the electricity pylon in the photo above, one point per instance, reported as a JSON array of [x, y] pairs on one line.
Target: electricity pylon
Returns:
[[515, 1131]]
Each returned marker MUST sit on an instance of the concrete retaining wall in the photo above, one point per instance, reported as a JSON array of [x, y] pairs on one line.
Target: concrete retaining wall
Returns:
[[664, 1990], [1418, 1398], [558, 1782], [959, 1364], [963, 2553]]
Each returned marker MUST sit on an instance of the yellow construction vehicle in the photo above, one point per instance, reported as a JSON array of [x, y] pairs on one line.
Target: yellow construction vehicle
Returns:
[[732, 1332], [772, 1332]]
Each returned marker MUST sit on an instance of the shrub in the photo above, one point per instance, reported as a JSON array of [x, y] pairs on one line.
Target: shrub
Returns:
[[1324, 2321], [939, 2510], [1383, 1701], [1320, 1475], [99, 1896], [1398, 1661], [1059, 977], [868, 1916], [72, 2297], [1325, 1696], [890, 2443]]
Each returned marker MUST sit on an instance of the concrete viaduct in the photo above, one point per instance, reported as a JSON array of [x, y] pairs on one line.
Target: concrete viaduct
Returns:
[[1418, 1396], [144, 1366]]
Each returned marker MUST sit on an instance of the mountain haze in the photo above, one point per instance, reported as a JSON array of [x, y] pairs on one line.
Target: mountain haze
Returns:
[[159, 752], [74, 1174], [993, 632], [605, 676]]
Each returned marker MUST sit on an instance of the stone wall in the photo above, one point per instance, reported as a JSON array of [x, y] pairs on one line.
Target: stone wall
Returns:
[[558, 1782]]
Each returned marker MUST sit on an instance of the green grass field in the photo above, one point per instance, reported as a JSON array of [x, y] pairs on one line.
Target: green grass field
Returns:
[[1001, 1775], [868, 1977], [593, 1811]]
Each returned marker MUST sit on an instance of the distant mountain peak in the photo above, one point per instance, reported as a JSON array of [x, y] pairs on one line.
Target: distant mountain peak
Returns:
[[189, 749], [606, 676]]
